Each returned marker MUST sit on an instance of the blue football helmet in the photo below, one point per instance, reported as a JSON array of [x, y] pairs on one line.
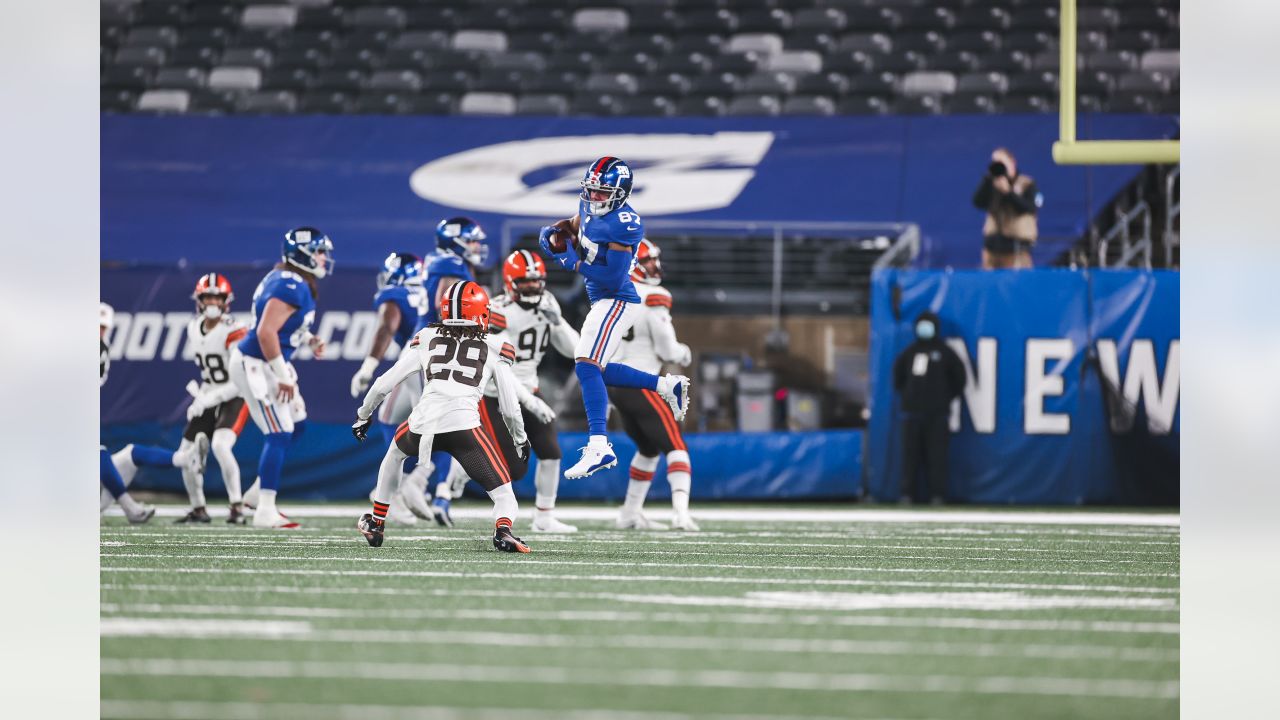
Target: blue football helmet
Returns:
[[464, 237], [301, 245], [401, 269], [608, 175]]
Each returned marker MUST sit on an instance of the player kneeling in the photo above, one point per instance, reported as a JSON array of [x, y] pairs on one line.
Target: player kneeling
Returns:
[[459, 360]]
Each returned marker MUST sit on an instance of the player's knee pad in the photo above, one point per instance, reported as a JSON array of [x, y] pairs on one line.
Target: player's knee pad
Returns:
[[224, 439], [678, 461], [645, 463]]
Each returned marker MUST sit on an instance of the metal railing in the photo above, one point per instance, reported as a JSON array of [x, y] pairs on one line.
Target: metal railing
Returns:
[[1172, 213], [1131, 246]]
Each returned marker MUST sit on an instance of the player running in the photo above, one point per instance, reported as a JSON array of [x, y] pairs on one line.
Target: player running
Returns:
[[217, 412], [284, 306], [459, 359], [645, 417], [400, 302], [113, 488], [528, 317], [607, 231]]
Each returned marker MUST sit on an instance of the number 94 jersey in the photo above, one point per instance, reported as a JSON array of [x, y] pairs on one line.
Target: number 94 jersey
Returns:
[[212, 349], [456, 370], [529, 331]]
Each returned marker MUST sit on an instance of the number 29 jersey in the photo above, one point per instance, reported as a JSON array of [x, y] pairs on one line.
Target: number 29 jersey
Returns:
[[289, 287], [456, 371], [212, 350]]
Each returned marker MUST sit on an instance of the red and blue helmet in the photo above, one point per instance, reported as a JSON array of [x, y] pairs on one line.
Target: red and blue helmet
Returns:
[[610, 176], [401, 269], [464, 237], [309, 249]]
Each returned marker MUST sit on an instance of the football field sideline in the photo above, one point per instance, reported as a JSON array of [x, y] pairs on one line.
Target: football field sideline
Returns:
[[963, 614]]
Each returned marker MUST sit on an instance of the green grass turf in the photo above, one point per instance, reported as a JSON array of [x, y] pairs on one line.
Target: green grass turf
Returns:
[[666, 625]]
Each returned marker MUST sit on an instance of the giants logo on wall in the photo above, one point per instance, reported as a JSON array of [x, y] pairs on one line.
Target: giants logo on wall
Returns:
[[675, 173]]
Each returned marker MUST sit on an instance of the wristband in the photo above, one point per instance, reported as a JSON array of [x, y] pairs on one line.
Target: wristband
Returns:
[[280, 369], [368, 366]]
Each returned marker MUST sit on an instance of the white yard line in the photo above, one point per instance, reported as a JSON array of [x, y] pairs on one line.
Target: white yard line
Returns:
[[130, 626], [202, 710], [778, 514], [645, 677], [681, 617]]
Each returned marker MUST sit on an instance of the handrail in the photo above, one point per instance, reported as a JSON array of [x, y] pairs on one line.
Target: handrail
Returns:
[[1173, 210], [1121, 229]]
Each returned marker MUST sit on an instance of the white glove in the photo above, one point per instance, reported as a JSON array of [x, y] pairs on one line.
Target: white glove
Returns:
[[538, 409], [549, 309], [196, 409], [684, 355], [364, 376]]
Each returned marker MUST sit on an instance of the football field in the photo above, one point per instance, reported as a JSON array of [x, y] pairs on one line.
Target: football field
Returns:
[[770, 612]]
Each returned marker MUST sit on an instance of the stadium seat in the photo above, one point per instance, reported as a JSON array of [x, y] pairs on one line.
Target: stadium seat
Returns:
[[865, 42], [1027, 104], [421, 40], [928, 83], [919, 105], [711, 21], [320, 18], [1089, 103], [983, 41], [814, 20], [763, 43], [429, 104], [1004, 61], [161, 37], [925, 43], [553, 83], [862, 105], [753, 105], [685, 64], [487, 103], [269, 16], [1031, 42], [1033, 18], [135, 56], [722, 84], [828, 84], [325, 103], [957, 61], [482, 40], [180, 78], [987, 83], [760, 20], [600, 20], [234, 78], [1095, 82], [117, 100], [295, 79], [646, 106], [701, 105], [1096, 18], [1033, 83], [1145, 82], [820, 43], [376, 103], [809, 105], [768, 83], [705, 44], [1136, 40], [381, 18], [873, 19], [1167, 61], [210, 16], [278, 102], [631, 63], [164, 101], [669, 84], [401, 81], [900, 62], [611, 83], [882, 84], [982, 18], [159, 13], [542, 105], [451, 81], [499, 81], [1130, 104], [258, 57], [852, 63], [972, 104], [339, 80], [126, 78], [739, 63]]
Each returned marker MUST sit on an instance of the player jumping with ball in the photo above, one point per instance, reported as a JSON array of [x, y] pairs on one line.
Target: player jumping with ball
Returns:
[[606, 232]]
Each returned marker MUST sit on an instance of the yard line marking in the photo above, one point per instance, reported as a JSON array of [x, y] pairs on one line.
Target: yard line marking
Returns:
[[775, 515], [914, 601], [203, 710], [632, 578], [645, 677], [682, 617], [129, 626]]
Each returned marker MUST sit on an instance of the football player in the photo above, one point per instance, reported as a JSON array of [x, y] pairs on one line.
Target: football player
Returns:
[[113, 487], [648, 420], [284, 306], [400, 301], [528, 317], [217, 413], [459, 359], [607, 231]]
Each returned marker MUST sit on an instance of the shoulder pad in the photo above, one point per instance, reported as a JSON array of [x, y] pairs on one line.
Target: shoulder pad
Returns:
[[417, 338], [658, 299], [497, 321], [507, 354], [236, 335]]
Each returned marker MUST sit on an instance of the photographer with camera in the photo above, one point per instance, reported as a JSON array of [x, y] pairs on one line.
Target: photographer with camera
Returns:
[[1011, 202]]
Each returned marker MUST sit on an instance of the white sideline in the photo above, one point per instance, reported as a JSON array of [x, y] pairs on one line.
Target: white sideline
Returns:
[[646, 677], [681, 617], [130, 626], [473, 511]]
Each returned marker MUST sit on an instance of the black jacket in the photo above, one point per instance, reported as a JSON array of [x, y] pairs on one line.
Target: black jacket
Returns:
[[928, 375]]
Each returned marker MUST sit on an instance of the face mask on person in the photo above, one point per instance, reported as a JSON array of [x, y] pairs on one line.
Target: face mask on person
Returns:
[[925, 330]]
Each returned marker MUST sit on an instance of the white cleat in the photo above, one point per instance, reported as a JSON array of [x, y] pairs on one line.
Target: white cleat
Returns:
[[413, 493], [104, 500], [250, 498], [675, 390], [273, 521], [398, 514], [637, 521], [140, 514], [684, 522], [551, 525], [594, 459]]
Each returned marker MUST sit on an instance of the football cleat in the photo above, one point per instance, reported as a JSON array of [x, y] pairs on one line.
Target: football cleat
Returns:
[[440, 510], [371, 529], [273, 521], [675, 390], [196, 515], [549, 524], [237, 516], [505, 541], [594, 459], [104, 500], [684, 522], [413, 491], [250, 499], [637, 521], [139, 516], [398, 514]]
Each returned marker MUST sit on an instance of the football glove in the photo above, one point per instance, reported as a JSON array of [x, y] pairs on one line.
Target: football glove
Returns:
[[197, 409], [539, 409], [567, 259], [684, 355], [549, 309], [360, 428], [522, 450]]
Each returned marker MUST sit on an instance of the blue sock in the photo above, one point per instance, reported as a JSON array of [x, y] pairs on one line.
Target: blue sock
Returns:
[[109, 476], [443, 462], [619, 375], [594, 397], [272, 460], [299, 428], [150, 456]]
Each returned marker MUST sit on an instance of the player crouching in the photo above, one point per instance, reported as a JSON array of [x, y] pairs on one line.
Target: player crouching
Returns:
[[459, 360], [646, 417]]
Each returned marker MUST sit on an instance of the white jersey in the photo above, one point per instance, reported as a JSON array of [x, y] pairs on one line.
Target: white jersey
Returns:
[[456, 371], [212, 352], [530, 331], [651, 341]]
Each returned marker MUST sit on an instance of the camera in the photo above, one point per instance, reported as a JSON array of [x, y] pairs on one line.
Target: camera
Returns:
[[997, 169]]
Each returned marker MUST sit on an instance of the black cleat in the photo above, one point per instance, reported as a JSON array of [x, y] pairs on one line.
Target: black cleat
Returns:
[[371, 529], [197, 515], [505, 541], [237, 516]]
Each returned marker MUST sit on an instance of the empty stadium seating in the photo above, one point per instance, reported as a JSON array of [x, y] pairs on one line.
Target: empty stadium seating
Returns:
[[633, 57]]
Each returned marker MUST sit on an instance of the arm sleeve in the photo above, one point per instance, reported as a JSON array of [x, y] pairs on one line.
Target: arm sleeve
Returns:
[[564, 339], [1025, 201], [407, 365], [509, 401], [665, 343], [982, 196], [612, 272]]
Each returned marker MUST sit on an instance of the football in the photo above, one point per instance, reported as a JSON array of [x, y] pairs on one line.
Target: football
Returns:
[[564, 235]]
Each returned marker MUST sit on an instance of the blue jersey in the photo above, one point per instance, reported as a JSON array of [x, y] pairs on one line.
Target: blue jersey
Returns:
[[439, 266], [411, 301], [594, 235], [289, 287]]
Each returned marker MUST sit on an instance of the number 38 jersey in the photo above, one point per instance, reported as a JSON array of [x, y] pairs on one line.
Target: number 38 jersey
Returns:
[[212, 349]]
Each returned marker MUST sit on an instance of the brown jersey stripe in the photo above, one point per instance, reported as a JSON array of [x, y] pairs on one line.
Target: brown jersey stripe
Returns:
[[656, 300]]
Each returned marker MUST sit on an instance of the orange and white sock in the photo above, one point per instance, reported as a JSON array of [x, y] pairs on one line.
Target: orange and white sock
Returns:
[[505, 506], [641, 474], [680, 475]]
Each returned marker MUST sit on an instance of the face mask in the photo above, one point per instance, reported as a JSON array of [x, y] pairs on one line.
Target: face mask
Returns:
[[213, 312], [925, 330]]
